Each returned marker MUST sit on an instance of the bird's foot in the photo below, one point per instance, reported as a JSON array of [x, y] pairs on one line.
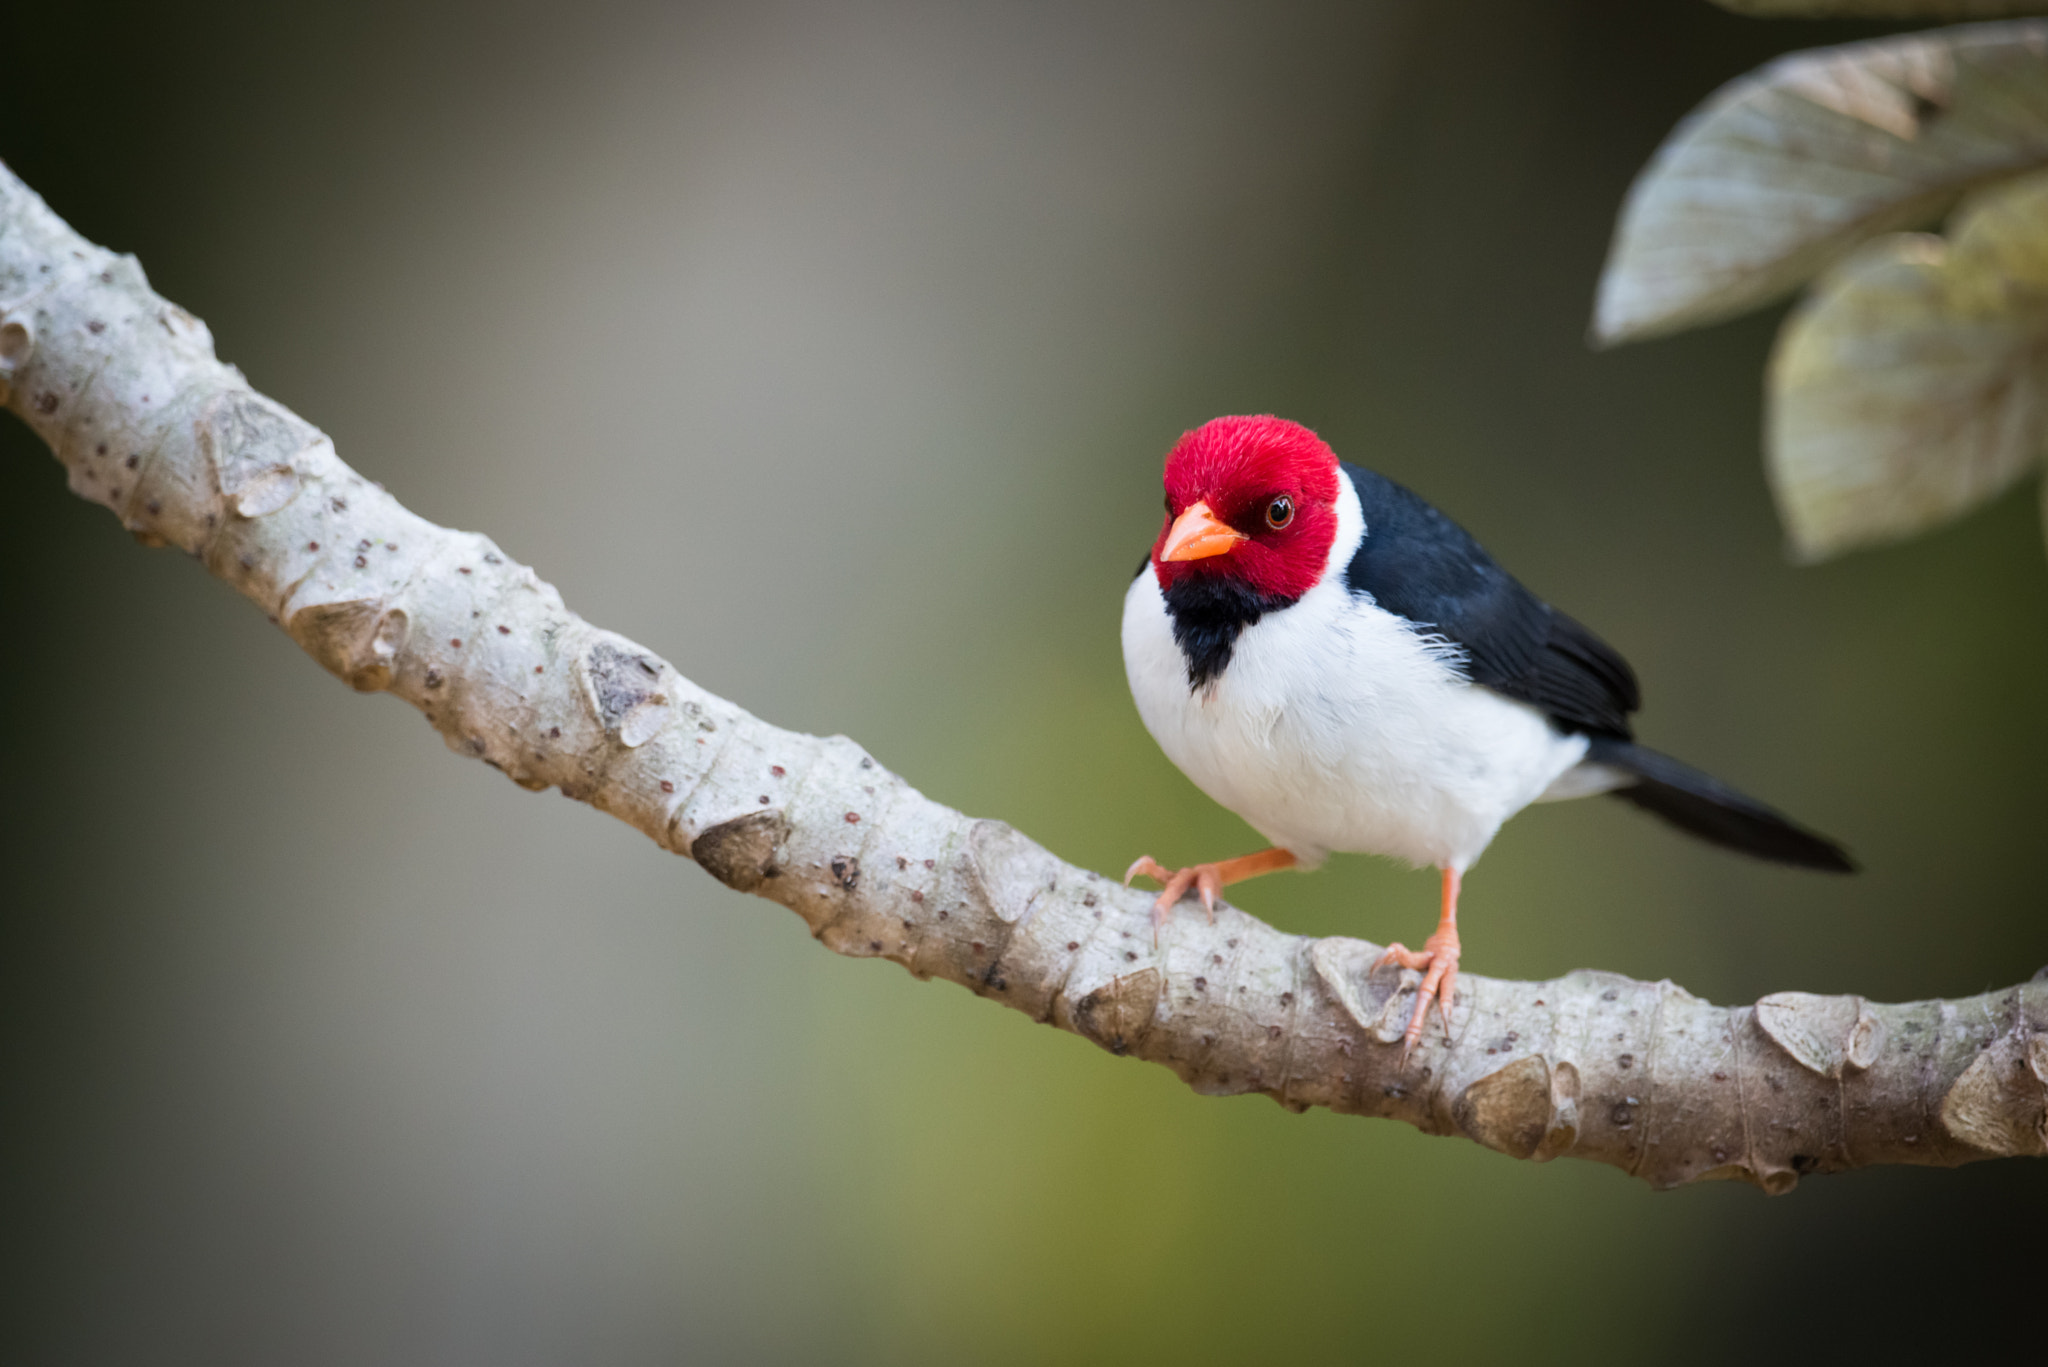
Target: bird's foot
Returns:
[[1205, 879], [1438, 964]]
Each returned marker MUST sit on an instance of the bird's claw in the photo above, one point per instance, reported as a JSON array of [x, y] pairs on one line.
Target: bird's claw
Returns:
[[1145, 866], [1438, 963], [1203, 878]]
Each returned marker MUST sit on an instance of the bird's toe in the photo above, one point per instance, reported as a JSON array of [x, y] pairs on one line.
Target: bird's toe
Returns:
[[1438, 964], [1398, 953], [1177, 884], [1145, 866]]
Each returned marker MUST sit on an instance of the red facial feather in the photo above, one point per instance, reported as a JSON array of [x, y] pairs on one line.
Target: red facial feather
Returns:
[[1238, 466]]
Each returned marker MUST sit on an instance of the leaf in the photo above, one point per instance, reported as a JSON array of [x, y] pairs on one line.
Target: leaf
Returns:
[[1883, 9], [1913, 385], [1783, 170]]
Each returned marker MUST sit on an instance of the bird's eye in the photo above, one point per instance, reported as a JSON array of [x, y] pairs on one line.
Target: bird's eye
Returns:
[[1280, 512]]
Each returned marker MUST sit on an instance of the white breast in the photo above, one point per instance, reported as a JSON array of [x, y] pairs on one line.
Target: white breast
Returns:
[[1340, 726]]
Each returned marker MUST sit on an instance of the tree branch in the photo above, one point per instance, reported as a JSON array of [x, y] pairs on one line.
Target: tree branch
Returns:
[[125, 388]]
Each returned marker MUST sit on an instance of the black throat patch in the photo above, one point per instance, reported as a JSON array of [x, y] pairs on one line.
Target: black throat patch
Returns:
[[1208, 613]]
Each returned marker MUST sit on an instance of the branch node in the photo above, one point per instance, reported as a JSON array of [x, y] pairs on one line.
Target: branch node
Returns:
[[1516, 1109], [1825, 1035], [252, 443], [2000, 1103], [1118, 1015], [621, 684], [357, 640], [745, 852], [17, 343], [1012, 870], [1372, 999]]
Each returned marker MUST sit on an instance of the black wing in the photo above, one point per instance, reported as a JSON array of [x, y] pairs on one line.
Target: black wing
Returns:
[[1418, 564]]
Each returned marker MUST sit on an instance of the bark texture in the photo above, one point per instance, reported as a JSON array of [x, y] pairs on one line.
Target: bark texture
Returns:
[[125, 389]]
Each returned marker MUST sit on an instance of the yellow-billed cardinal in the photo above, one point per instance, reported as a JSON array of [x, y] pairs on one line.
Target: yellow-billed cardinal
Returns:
[[1344, 667]]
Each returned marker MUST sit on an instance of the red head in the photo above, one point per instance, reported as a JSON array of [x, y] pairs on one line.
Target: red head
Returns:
[[1252, 500]]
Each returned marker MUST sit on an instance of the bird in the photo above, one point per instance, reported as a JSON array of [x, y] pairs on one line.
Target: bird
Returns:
[[1333, 659]]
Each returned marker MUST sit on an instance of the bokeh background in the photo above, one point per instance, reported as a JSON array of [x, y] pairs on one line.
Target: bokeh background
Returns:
[[832, 351]]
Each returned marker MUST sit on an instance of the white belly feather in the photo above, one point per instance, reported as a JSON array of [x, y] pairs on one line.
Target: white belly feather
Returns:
[[1338, 726]]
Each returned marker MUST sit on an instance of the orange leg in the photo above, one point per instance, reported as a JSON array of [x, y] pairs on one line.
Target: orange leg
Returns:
[[1209, 880], [1438, 963]]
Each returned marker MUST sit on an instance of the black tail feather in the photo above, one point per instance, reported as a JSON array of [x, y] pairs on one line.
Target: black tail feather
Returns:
[[1702, 805]]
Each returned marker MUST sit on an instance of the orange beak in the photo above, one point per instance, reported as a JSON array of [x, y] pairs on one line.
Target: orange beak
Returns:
[[1197, 535]]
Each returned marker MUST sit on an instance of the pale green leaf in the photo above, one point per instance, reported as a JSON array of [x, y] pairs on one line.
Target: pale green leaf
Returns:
[[1912, 385], [1782, 171]]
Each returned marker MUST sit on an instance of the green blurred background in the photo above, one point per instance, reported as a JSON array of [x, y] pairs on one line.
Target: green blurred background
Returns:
[[832, 351]]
